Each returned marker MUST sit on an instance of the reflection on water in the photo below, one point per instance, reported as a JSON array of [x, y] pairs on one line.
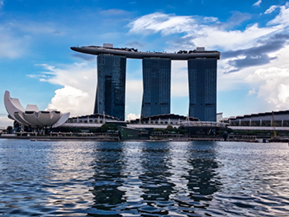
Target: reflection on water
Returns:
[[143, 179], [44, 178], [203, 179], [132, 169], [108, 164]]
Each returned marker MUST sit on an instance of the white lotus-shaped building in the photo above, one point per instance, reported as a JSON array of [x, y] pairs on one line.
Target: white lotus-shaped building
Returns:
[[31, 116]]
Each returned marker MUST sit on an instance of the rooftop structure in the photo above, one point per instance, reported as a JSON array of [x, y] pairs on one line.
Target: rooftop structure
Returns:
[[265, 119], [135, 54], [165, 119]]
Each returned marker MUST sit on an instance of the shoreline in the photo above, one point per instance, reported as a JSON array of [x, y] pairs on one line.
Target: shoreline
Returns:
[[103, 138], [54, 138], [116, 139]]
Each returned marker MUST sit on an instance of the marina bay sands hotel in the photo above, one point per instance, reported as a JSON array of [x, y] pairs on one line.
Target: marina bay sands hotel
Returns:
[[111, 67]]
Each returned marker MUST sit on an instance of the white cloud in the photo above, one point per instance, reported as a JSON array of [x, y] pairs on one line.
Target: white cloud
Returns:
[[271, 9], [79, 86], [132, 116], [257, 3], [77, 95], [200, 31], [252, 92], [73, 100], [282, 19], [268, 84], [214, 37], [273, 86], [5, 122], [159, 22]]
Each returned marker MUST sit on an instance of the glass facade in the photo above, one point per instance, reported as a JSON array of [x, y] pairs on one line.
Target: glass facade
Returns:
[[203, 88], [156, 86], [110, 92]]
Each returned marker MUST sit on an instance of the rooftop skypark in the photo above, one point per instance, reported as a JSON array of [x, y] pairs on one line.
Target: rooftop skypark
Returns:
[[135, 54]]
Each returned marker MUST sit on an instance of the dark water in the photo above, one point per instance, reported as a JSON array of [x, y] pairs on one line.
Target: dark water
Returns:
[[73, 178]]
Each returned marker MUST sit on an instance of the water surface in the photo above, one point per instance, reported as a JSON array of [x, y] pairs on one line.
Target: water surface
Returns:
[[73, 178]]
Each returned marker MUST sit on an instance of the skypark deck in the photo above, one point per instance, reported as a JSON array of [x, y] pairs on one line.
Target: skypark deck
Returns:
[[135, 54]]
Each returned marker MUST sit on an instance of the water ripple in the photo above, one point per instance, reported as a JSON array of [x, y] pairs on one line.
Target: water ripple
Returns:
[[143, 179]]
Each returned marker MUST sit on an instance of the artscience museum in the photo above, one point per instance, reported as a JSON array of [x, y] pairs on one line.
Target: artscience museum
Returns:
[[32, 116]]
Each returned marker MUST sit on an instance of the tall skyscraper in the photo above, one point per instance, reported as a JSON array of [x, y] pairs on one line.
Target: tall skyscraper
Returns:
[[156, 86], [203, 88], [110, 92]]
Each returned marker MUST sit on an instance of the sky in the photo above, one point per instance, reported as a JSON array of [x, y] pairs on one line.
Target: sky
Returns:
[[38, 67]]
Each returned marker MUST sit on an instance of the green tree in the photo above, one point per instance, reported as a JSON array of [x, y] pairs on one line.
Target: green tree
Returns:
[[170, 127]]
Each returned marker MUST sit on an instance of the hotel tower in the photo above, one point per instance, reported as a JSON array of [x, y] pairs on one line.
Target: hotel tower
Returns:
[[156, 100]]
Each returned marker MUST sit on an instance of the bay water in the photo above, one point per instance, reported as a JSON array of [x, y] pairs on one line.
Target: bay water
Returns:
[[90, 178]]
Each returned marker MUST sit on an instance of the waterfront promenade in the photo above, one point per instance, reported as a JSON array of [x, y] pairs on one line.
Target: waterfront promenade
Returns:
[[115, 137]]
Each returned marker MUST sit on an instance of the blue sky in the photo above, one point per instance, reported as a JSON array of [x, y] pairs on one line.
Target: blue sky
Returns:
[[38, 67]]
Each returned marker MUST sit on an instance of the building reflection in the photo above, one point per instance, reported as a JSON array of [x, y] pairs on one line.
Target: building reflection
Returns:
[[132, 170], [178, 167], [108, 165], [203, 176], [132, 178], [154, 162]]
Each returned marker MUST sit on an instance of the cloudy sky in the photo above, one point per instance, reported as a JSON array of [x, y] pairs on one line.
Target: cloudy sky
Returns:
[[38, 67]]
